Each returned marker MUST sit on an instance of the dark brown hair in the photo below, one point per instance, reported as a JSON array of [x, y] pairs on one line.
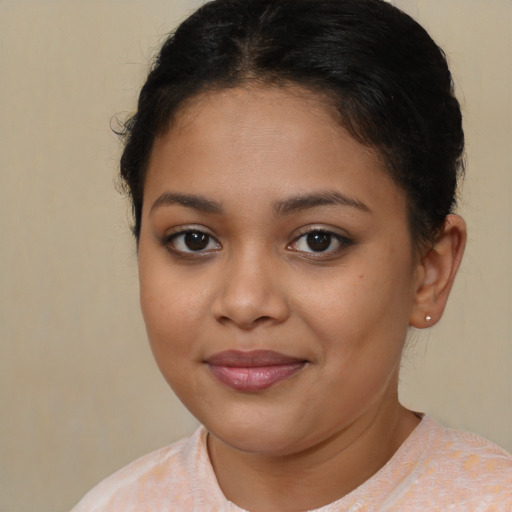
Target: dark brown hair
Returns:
[[387, 80]]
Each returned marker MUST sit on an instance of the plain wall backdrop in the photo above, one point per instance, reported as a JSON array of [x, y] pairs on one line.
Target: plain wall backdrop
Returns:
[[80, 395]]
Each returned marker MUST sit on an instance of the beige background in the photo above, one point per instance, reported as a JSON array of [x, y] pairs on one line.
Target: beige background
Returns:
[[79, 393]]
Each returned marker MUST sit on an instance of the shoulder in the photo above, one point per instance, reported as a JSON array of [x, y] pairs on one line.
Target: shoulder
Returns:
[[155, 480], [471, 470], [467, 451]]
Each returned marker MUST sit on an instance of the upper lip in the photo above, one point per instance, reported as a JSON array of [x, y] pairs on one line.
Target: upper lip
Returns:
[[250, 359]]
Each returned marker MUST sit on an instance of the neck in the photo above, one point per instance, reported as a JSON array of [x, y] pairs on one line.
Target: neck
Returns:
[[317, 476]]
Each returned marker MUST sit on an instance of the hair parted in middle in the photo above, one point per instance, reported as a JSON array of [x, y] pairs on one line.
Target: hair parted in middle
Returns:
[[378, 70]]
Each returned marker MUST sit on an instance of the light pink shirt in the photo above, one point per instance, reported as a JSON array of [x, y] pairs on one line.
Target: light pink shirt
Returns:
[[436, 469]]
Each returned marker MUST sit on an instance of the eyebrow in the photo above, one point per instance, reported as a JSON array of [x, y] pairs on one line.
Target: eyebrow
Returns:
[[196, 202], [307, 201], [281, 208]]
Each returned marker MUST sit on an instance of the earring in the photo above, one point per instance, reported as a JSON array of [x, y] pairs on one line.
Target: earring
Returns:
[[428, 318]]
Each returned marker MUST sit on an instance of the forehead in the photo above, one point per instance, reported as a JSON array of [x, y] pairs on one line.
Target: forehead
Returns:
[[271, 141]]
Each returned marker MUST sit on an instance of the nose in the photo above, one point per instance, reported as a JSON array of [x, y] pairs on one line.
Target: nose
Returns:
[[250, 294]]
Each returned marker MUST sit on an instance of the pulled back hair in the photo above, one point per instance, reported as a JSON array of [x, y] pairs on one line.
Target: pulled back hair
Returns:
[[386, 80]]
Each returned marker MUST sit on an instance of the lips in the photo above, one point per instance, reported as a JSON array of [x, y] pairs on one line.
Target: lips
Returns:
[[253, 371]]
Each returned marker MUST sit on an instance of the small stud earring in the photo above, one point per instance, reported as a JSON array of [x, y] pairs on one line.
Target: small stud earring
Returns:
[[428, 318]]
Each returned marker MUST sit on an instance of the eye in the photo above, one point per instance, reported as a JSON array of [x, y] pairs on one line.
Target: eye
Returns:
[[320, 241], [191, 241]]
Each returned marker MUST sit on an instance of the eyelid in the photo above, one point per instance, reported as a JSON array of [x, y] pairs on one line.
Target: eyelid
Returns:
[[324, 228], [343, 238], [185, 228], [175, 232]]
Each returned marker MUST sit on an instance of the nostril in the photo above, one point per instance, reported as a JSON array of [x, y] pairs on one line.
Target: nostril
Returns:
[[264, 320], [248, 324]]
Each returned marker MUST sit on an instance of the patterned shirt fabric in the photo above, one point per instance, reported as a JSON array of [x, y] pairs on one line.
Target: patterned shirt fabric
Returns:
[[435, 469]]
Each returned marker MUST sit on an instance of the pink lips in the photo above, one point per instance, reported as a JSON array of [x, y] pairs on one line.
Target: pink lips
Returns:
[[253, 371]]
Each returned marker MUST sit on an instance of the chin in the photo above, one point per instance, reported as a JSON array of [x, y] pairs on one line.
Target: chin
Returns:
[[258, 441], [257, 432]]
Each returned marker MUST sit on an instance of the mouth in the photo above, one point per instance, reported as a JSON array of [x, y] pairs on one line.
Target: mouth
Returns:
[[253, 371]]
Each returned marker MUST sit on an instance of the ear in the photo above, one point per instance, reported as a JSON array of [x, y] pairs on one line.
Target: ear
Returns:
[[436, 272]]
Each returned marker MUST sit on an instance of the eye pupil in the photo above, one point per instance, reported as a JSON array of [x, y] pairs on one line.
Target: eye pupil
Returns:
[[319, 241], [196, 241]]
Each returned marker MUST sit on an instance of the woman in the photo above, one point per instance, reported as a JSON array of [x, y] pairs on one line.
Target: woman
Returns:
[[293, 169]]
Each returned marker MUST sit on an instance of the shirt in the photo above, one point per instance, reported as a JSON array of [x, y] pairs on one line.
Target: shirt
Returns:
[[435, 469]]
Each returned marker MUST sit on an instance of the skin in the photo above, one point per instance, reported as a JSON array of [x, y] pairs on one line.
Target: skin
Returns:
[[315, 436]]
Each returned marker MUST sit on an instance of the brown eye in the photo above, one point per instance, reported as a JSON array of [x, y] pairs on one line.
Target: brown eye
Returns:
[[192, 241], [196, 241], [319, 241]]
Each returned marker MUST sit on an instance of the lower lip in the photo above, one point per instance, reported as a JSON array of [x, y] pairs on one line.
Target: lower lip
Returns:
[[255, 378]]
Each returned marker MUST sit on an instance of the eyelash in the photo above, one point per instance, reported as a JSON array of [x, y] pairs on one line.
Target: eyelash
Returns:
[[343, 242], [169, 241]]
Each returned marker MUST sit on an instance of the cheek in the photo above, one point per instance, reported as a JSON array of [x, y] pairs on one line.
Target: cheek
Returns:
[[171, 319], [172, 309], [360, 305]]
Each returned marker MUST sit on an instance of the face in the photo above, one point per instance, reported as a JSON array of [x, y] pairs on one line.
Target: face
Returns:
[[276, 273]]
